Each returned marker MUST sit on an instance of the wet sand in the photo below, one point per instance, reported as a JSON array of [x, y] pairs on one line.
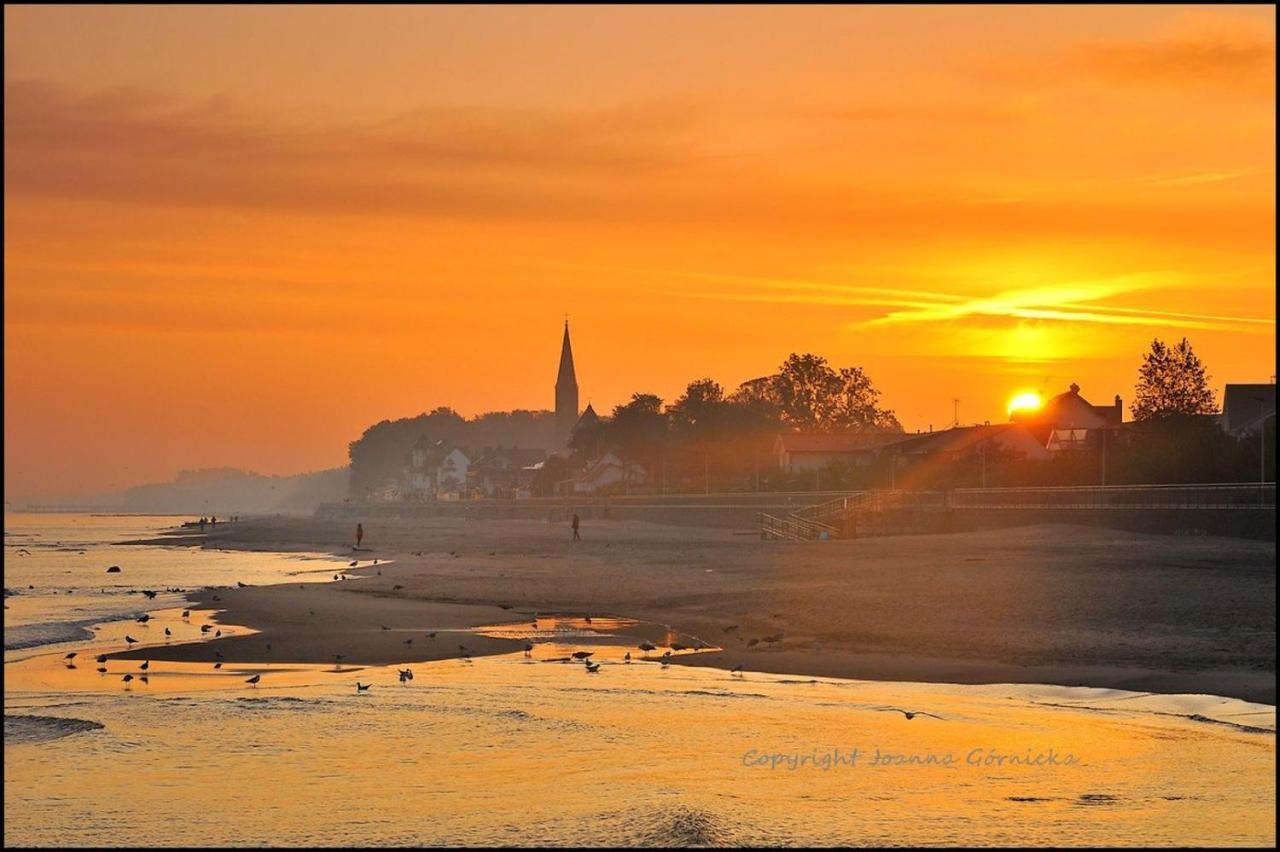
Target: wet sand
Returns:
[[1052, 604]]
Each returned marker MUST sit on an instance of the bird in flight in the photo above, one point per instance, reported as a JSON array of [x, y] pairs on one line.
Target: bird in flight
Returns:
[[910, 714]]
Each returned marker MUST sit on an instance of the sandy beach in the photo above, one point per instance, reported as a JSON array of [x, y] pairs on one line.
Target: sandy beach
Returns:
[[1057, 604]]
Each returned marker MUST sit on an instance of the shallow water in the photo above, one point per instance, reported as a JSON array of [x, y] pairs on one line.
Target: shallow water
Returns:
[[514, 750]]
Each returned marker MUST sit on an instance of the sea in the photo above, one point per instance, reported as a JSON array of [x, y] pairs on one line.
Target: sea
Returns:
[[536, 749]]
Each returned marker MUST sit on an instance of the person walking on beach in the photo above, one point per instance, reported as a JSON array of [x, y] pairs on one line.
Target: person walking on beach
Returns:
[[202, 523], [576, 537], [359, 534]]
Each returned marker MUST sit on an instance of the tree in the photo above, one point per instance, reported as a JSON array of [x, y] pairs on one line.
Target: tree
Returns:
[[809, 394], [638, 429], [1171, 381]]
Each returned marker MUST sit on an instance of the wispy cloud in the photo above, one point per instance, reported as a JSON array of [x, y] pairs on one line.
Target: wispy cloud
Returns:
[[1216, 51], [1069, 302]]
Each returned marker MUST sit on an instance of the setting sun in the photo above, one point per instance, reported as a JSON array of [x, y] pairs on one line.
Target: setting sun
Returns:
[[1024, 402]]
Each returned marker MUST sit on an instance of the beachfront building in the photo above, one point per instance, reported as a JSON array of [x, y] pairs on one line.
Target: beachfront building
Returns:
[[1069, 422], [503, 472], [953, 445], [800, 452], [606, 474], [436, 471], [1247, 407]]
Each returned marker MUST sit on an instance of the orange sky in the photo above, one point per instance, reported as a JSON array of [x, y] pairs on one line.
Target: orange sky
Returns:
[[239, 236]]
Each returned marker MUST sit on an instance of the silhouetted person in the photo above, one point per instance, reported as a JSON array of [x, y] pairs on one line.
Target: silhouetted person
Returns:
[[576, 537], [202, 523], [359, 534], [213, 522]]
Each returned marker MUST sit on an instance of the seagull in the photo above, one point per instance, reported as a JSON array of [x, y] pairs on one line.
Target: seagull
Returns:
[[627, 658], [592, 668], [385, 627], [242, 585], [143, 619], [736, 670], [127, 678], [645, 646], [678, 647], [70, 656], [353, 564], [168, 632], [582, 655], [362, 687], [910, 714], [587, 619], [528, 649], [102, 669], [218, 665], [186, 613], [150, 594], [130, 639], [409, 641], [145, 665], [253, 680], [102, 658], [431, 635], [217, 634]]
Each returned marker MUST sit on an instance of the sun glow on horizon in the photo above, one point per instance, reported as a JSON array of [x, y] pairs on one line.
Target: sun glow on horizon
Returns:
[[1025, 403]]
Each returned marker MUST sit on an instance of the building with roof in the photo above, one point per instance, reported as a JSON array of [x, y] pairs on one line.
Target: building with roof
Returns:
[[436, 471], [954, 444], [1247, 407], [502, 472], [798, 452], [1068, 421]]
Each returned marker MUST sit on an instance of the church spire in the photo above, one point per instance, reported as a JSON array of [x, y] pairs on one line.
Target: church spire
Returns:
[[566, 392]]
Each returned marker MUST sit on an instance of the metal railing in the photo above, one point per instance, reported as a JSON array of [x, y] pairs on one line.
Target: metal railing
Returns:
[[1215, 496], [792, 528]]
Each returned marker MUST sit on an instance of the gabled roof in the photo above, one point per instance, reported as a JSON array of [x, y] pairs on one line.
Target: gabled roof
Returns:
[[849, 442], [1245, 406]]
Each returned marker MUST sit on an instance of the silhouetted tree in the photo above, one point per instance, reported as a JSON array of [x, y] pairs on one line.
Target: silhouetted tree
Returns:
[[1171, 381]]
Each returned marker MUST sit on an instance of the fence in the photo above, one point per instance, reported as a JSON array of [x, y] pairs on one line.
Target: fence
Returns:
[[1216, 496]]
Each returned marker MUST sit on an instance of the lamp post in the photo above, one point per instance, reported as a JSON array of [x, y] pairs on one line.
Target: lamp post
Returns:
[[1262, 439]]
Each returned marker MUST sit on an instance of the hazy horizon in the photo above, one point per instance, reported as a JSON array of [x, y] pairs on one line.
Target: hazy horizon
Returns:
[[229, 248]]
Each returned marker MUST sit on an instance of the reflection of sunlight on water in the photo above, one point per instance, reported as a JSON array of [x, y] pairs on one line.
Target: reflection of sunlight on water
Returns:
[[508, 750]]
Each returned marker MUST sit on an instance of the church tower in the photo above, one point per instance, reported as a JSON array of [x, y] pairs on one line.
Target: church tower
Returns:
[[566, 393]]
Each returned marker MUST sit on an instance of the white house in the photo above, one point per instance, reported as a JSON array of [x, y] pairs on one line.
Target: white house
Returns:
[[436, 471], [604, 472]]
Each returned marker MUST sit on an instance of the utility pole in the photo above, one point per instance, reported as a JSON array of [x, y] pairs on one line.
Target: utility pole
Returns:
[[706, 474]]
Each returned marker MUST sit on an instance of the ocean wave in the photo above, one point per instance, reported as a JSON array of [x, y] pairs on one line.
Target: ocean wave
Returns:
[[23, 636], [43, 729]]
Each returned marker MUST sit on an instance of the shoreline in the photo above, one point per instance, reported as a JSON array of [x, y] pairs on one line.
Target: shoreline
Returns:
[[719, 588]]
